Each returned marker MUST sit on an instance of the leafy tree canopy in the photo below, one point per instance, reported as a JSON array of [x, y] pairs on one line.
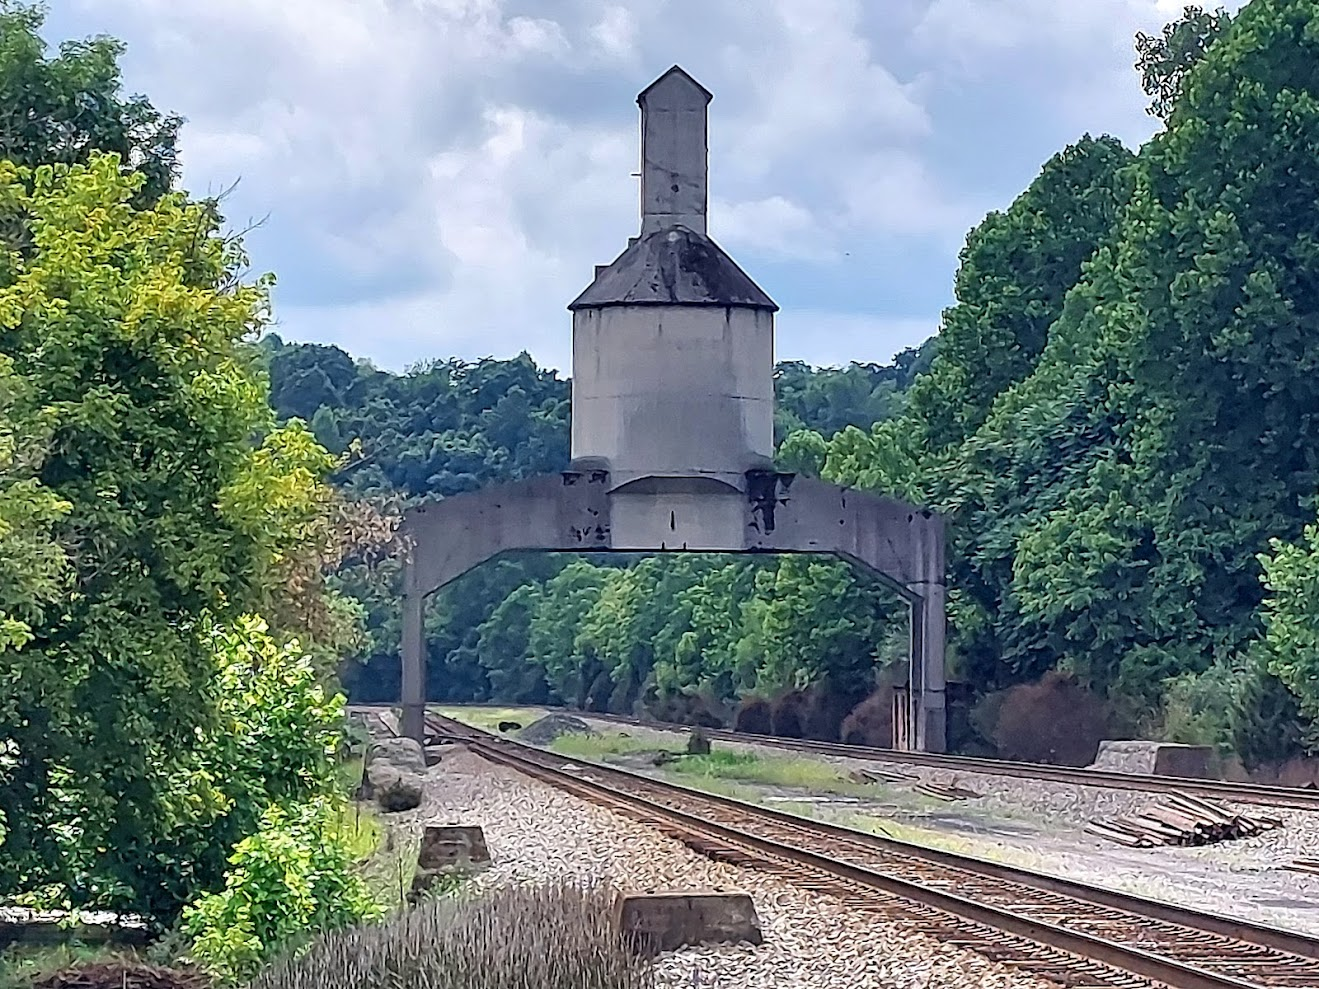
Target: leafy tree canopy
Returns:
[[62, 110]]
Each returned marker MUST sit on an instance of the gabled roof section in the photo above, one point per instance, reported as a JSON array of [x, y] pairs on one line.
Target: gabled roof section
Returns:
[[670, 77], [674, 267]]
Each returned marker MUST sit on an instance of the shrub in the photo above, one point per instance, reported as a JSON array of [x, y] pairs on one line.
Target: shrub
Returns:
[[275, 739], [871, 721], [754, 717], [551, 937], [826, 705], [1197, 707], [786, 715], [1055, 720], [688, 707], [1265, 718], [294, 877]]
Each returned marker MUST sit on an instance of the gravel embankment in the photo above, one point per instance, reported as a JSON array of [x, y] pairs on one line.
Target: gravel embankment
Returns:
[[1039, 802], [811, 941], [1038, 825]]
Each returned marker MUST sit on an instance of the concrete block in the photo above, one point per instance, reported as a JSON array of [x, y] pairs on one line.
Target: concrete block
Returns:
[[402, 753], [669, 920], [1157, 759], [452, 848], [393, 789]]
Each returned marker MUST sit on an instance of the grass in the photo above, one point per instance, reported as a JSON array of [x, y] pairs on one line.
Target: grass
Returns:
[[784, 771], [599, 746], [21, 965], [488, 718], [722, 766]]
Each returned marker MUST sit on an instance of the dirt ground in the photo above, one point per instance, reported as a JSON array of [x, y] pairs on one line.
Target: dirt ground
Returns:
[[1038, 826]]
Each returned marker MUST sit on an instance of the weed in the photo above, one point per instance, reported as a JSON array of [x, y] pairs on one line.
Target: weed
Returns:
[[551, 937]]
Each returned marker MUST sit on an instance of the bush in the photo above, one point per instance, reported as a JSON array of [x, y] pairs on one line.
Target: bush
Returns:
[[294, 877], [550, 937], [871, 721], [1055, 720], [1197, 707], [787, 715], [754, 717], [275, 739], [815, 712], [687, 707], [1265, 718]]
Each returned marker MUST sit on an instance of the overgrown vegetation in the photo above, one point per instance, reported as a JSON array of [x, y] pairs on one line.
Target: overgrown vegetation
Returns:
[[721, 764], [548, 936], [293, 876], [1109, 497], [1119, 419], [168, 734]]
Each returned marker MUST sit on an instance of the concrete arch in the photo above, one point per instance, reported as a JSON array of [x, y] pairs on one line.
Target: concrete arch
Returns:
[[577, 512]]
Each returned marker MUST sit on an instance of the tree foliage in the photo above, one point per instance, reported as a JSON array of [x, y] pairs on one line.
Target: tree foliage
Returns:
[[139, 495], [64, 109], [1110, 504], [1164, 60], [444, 427], [1289, 647]]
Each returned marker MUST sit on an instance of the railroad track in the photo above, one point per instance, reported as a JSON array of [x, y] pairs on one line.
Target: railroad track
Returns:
[[1248, 793], [1073, 934]]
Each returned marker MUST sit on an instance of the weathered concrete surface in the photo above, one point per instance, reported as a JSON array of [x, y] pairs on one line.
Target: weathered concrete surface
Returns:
[[673, 391], [667, 921], [404, 754], [672, 431], [394, 790], [900, 542], [1156, 758], [563, 512], [674, 156], [447, 850], [452, 847], [778, 513]]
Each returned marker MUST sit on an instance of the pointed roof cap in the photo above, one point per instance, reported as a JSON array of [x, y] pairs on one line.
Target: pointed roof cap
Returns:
[[679, 72], [674, 267]]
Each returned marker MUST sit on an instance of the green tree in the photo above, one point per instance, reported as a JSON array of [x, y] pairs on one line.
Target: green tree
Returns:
[[504, 649], [126, 328], [1165, 60], [566, 601], [1131, 441], [32, 563], [64, 109], [1289, 647]]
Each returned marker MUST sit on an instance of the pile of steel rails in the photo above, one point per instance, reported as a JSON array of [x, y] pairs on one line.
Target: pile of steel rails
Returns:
[[1181, 819]]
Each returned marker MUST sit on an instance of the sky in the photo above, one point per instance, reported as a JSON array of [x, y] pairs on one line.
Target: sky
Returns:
[[437, 178]]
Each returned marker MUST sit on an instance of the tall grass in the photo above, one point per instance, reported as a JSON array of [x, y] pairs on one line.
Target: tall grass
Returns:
[[515, 937]]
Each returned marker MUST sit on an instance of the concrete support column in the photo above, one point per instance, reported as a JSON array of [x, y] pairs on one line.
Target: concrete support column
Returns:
[[412, 724], [928, 633], [928, 688]]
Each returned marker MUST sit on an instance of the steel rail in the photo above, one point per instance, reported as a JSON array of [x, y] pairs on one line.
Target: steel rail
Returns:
[[1273, 957], [1301, 798]]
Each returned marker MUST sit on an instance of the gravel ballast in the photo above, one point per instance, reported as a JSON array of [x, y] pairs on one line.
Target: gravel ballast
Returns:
[[1244, 878], [536, 833]]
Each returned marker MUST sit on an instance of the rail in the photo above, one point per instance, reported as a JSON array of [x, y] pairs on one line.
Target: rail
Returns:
[[1301, 798], [1069, 932]]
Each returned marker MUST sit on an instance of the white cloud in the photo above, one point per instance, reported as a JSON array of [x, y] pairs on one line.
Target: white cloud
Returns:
[[616, 33], [775, 227], [454, 168], [832, 339]]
